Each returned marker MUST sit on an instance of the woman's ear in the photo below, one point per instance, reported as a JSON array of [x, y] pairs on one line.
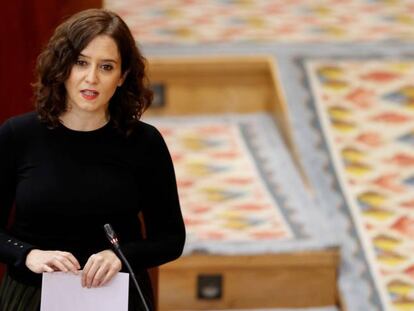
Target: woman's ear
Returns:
[[121, 81]]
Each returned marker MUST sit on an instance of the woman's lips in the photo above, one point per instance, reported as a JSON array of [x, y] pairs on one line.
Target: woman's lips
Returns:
[[89, 94]]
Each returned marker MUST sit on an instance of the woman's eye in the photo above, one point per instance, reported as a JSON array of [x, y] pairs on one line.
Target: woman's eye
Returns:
[[81, 62], [107, 67]]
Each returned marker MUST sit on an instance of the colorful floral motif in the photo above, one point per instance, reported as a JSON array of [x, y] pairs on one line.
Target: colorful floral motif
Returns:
[[221, 193], [370, 136], [215, 21]]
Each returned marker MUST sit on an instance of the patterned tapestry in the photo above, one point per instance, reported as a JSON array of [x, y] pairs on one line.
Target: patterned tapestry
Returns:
[[214, 21], [366, 115], [236, 195]]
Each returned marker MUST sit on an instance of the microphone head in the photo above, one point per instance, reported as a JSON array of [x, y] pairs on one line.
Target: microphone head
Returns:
[[111, 235]]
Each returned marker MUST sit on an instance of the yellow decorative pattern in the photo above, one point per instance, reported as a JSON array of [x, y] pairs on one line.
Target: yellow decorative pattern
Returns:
[[216, 21], [374, 159]]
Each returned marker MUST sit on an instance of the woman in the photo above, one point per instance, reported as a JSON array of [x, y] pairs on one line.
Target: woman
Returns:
[[82, 160]]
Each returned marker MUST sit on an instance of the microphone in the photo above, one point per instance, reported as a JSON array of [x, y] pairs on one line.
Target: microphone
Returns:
[[111, 235], [113, 239]]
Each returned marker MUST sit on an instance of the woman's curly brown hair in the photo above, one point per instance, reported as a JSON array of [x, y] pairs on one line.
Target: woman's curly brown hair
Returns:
[[56, 60]]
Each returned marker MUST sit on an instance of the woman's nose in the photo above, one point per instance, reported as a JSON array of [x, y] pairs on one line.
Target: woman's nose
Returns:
[[91, 76]]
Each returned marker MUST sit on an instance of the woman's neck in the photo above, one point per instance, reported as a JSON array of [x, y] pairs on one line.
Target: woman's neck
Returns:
[[84, 122]]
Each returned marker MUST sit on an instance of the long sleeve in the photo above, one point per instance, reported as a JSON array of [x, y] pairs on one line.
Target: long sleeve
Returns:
[[61, 179], [162, 214], [12, 251]]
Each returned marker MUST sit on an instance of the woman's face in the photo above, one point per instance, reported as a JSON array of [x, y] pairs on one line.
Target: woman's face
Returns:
[[94, 77]]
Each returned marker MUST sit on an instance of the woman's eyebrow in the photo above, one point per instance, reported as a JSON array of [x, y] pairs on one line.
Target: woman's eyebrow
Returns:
[[104, 60]]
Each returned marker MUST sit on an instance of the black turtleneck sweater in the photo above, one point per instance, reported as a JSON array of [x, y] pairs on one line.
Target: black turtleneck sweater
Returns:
[[67, 184]]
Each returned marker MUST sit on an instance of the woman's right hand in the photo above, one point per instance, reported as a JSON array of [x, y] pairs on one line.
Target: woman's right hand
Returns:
[[39, 261]]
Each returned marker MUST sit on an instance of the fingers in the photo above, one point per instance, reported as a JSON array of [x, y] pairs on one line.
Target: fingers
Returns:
[[99, 276], [61, 261], [72, 260], [58, 264], [40, 261], [46, 268], [110, 274], [69, 261], [104, 275], [100, 269], [90, 270]]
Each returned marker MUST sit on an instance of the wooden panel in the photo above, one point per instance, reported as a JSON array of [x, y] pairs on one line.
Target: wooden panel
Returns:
[[213, 85], [263, 281], [217, 85], [207, 102], [220, 85]]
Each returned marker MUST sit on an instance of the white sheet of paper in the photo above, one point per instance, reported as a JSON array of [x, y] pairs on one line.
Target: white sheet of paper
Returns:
[[64, 292]]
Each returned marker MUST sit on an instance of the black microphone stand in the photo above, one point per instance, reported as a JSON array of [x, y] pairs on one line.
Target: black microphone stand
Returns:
[[113, 239]]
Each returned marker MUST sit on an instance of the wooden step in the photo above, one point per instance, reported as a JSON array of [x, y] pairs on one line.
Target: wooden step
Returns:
[[242, 282]]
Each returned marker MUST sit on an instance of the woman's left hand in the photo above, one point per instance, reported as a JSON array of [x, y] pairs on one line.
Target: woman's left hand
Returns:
[[100, 269]]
